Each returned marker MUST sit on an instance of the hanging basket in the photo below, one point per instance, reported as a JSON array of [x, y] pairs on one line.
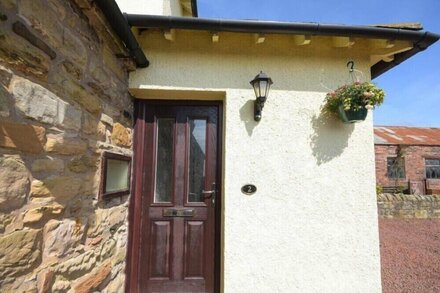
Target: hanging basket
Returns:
[[351, 115], [357, 98]]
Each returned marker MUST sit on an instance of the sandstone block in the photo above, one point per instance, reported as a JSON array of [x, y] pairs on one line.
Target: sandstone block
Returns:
[[107, 248], [14, 183], [38, 103], [59, 8], [49, 26], [111, 110], [91, 183], [34, 101], [73, 48], [19, 251], [116, 271], [99, 146], [36, 214], [33, 216], [69, 116], [82, 263], [65, 145], [92, 281], [22, 137], [72, 69], [98, 73], [5, 76], [8, 4], [121, 135], [119, 256], [95, 241], [5, 219], [92, 125], [117, 284], [421, 214], [46, 280], [20, 29], [38, 189], [60, 286], [60, 187], [85, 4], [106, 119], [81, 164], [48, 164], [104, 219], [22, 284], [4, 102], [61, 238], [70, 88], [114, 64], [24, 57]]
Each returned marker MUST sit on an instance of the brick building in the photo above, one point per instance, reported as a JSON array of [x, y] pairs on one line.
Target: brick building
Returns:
[[408, 159]]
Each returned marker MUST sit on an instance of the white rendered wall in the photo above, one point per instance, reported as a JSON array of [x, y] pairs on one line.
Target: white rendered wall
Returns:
[[312, 225], [151, 7]]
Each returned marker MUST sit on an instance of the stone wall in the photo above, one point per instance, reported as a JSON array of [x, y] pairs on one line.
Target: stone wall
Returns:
[[402, 206], [63, 101], [414, 157]]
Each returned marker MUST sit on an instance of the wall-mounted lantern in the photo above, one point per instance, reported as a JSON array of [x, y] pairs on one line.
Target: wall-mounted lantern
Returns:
[[261, 84]]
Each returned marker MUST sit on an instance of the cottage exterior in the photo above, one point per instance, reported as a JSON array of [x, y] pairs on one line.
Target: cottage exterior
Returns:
[[84, 99], [408, 159]]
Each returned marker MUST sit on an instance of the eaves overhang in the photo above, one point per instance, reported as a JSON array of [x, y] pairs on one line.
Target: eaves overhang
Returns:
[[420, 39]]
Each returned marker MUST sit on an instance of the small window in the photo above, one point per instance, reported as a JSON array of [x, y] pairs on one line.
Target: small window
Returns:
[[115, 175], [432, 168], [396, 168]]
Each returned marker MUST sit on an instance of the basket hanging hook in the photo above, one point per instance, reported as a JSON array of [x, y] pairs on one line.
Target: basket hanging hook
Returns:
[[350, 65]]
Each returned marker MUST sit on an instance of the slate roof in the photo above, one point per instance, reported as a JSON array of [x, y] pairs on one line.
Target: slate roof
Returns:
[[406, 135]]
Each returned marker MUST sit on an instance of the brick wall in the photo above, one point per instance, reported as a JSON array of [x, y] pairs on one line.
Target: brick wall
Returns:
[[401, 206], [414, 157], [63, 96]]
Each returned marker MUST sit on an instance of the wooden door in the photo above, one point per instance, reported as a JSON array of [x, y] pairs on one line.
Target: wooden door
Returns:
[[175, 228]]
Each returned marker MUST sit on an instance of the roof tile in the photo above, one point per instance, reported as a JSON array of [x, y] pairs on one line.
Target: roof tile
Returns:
[[406, 135]]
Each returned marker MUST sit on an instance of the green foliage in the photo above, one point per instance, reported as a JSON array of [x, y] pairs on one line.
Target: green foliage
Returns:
[[354, 96], [400, 189], [379, 189]]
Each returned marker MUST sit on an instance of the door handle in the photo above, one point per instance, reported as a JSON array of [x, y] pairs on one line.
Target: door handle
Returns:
[[210, 194]]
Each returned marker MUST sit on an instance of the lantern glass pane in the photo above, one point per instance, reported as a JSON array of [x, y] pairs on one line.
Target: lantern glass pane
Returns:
[[263, 88], [267, 88], [256, 88]]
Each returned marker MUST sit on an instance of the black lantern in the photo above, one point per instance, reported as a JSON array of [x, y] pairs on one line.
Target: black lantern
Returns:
[[261, 84]]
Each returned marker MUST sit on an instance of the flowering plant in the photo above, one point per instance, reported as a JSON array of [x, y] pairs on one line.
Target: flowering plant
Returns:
[[355, 96]]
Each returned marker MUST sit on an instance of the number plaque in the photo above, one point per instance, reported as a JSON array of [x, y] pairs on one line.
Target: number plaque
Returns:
[[249, 189]]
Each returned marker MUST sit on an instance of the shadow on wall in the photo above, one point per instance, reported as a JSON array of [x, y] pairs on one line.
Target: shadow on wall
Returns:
[[329, 138], [25, 137], [247, 116]]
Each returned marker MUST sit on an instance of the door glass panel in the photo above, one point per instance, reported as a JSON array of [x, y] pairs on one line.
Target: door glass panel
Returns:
[[164, 160], [197, 158]]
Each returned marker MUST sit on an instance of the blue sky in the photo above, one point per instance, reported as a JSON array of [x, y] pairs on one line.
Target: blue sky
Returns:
[[412, 88]]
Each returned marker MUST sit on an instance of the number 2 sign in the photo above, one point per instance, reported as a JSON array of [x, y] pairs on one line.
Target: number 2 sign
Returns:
[[249, 189]]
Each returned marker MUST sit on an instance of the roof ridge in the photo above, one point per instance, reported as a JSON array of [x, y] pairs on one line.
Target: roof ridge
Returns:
[[405, 126]]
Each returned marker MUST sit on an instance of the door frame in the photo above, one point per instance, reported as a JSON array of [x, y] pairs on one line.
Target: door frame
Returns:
[[132, 267]]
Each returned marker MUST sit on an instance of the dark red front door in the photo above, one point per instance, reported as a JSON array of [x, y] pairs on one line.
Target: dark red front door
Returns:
[[174, 228]]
